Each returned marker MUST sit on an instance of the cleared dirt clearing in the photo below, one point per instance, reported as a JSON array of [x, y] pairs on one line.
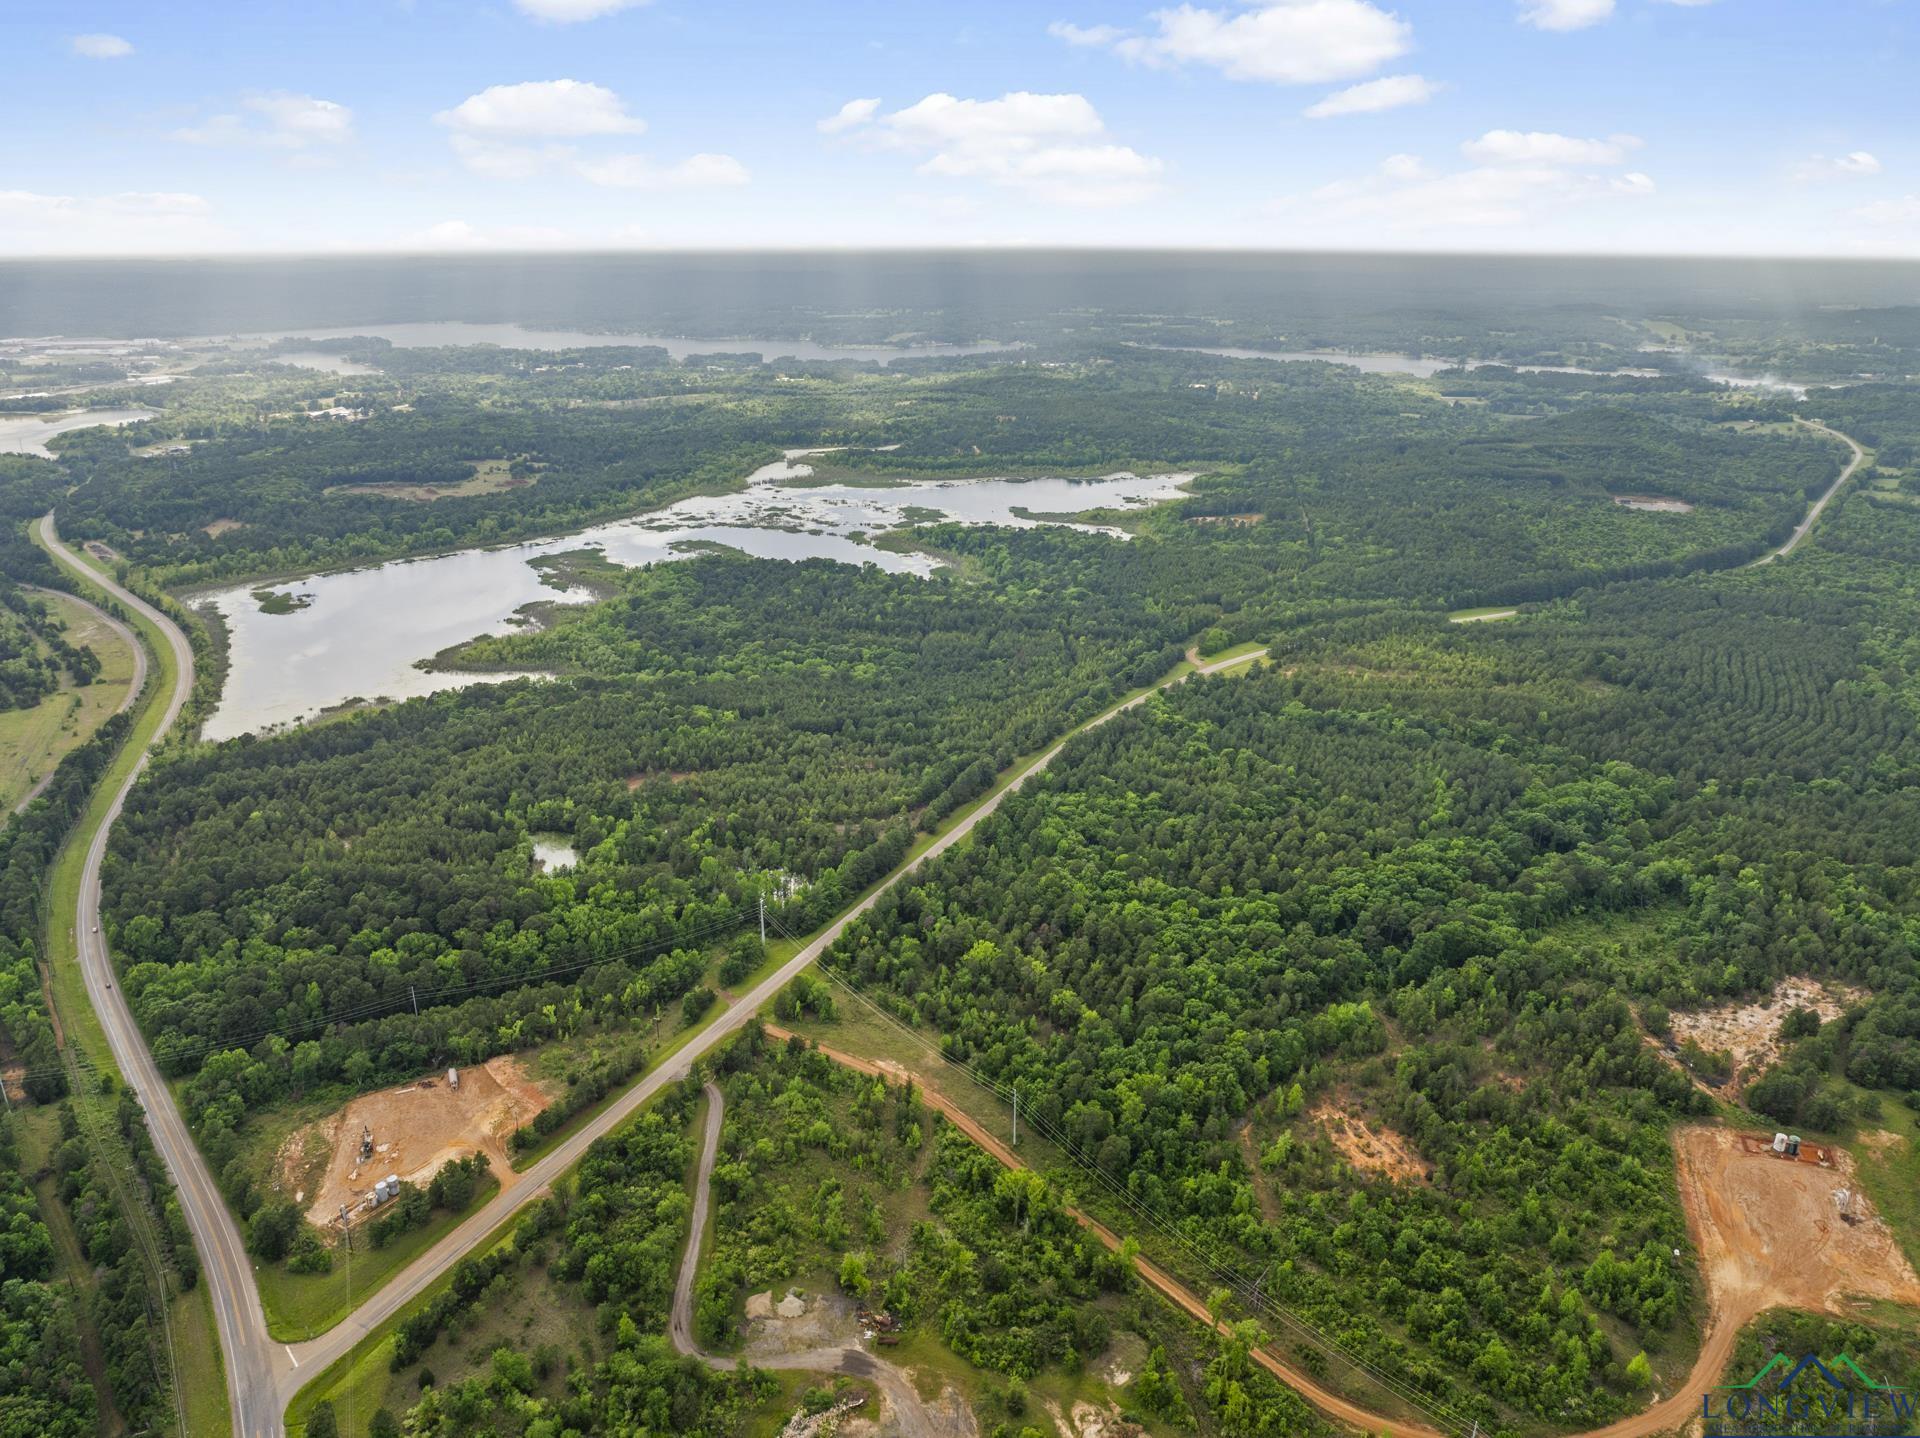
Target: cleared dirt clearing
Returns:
[[1374, 1149], [417, 1127], [1751, 1031], [1770, 1230]]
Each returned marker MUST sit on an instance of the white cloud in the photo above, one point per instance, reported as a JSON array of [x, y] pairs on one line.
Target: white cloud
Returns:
[[501, 161], [1517, 191], [463, 235], [1291, 42], [101, 47], [550, 108], [1855, 163], [517, 132], [1903, 211], [569, 12], [1564, 14], [1098, 36], [1389, 92], [637, 172], [854, 112], [131, 221], [1055, 147], [276, 119], [1518, 147]]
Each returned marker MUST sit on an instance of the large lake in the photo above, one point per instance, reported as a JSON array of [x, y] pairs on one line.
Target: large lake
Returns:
[[440, 333], [29, 433], [359, 634], [1422, 366]]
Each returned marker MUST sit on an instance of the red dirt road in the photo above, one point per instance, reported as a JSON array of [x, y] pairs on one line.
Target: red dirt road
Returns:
[[1740, 1208], [1156, 1277]]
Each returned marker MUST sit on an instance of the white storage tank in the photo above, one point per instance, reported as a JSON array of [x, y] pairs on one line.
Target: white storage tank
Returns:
[[1779, 1143]]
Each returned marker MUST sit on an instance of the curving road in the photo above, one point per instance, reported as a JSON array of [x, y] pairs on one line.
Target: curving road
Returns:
[[133, 689], [904, 1400], [226, 1269], [1805, 526], [263, 1375], [302, 1361]]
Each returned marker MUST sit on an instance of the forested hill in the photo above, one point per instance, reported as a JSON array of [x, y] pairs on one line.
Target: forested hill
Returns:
[[1442, 880]]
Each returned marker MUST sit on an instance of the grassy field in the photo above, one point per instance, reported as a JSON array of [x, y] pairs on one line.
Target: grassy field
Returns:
[[301, 1305], [33, 741], [1886, 1151], [196, 1341], [490, 476]]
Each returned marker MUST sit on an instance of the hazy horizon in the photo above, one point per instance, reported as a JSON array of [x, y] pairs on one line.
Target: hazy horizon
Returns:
[[1648, 127]]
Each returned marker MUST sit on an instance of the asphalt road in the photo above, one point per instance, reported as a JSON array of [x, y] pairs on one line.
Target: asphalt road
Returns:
[[263, 1375], [316, 1354], [226, 1269], [1819, 505], [133, 690]]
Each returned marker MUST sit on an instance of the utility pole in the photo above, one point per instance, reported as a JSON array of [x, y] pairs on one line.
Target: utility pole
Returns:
[[763, 918], [413, 994], [1016, 1118]]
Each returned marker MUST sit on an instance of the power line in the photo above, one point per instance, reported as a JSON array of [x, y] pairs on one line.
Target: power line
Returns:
[[436, 998], [1212, 1264]]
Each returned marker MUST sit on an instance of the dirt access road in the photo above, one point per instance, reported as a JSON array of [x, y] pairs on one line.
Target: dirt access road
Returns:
[[1768, 1232], [306, 1360], [909, 1411], [1327, 1401]]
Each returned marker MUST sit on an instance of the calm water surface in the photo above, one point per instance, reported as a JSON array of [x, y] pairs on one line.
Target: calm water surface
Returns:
[[360, 634], [437, 333], [29, 433]]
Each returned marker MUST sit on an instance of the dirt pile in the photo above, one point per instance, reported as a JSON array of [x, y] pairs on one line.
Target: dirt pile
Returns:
[[416, 1128]]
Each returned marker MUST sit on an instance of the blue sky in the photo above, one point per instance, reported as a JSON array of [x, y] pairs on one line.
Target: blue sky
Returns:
[[1652, 126]]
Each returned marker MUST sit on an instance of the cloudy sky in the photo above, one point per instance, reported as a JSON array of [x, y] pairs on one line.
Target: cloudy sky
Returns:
[[1663, 126]]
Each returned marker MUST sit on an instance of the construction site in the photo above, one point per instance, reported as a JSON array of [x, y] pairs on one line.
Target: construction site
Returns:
[[1783, 1223], [356, 1159]]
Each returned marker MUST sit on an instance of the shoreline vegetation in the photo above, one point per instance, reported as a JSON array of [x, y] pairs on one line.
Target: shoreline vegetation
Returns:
[[1484, 863]]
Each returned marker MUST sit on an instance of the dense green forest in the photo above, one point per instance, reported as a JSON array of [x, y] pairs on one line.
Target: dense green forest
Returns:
[[261, 488], [833, 1180], [43, 1388], [1443, 882]]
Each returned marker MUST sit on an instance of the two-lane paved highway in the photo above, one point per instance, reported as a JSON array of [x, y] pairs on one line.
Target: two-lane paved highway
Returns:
[[226, 1269]]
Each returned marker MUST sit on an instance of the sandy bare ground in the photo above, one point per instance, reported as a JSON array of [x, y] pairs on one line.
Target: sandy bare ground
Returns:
[[1371, 1147], [1750, 1031], [1770, 1235], [1770, 1231], [821, 1337], [417, 1127]]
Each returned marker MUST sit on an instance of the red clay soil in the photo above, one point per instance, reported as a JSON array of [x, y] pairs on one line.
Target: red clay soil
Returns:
[[1328, 1402], [1767, 1230]]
